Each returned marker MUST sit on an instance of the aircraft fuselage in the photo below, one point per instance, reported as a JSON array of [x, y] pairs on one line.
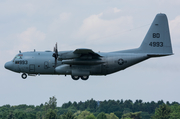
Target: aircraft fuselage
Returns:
[[43, 63]]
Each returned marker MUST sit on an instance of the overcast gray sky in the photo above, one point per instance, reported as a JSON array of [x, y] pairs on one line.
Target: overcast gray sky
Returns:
[[101, 25]]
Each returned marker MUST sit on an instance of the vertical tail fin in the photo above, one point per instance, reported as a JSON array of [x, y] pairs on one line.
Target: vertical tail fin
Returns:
[[157, 40]]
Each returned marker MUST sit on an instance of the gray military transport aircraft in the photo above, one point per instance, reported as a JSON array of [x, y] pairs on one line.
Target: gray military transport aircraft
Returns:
[[81, 63]]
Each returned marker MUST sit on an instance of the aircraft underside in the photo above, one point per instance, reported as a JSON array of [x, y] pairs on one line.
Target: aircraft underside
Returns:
[[107, 65]]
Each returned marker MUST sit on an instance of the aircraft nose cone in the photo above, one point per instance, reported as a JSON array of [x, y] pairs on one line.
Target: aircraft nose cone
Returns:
[[8, 65]]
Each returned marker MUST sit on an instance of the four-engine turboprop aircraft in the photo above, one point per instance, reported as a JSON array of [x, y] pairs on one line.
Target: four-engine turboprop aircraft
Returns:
[[81, 63]]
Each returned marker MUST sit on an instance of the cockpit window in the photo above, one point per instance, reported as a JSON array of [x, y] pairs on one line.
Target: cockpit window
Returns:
[[19, 56]]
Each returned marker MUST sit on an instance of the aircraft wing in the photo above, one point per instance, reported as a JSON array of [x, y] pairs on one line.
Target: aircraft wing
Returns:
[[81, 57], [84, 51], [81, 53]]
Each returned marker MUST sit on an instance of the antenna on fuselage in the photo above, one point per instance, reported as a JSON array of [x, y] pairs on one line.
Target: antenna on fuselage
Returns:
[[19, 51], [34, 50]]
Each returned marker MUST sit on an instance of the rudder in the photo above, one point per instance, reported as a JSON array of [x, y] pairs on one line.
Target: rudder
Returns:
[[157, 40]]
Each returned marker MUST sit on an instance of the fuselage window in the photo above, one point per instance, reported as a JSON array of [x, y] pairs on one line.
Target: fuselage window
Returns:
[[16, 62], [19, 56], [21, 62]]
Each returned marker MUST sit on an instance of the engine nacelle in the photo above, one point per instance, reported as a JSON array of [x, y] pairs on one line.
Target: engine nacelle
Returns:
[[63, 55], [63, 69]]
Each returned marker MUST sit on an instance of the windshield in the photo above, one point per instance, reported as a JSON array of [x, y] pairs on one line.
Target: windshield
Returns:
[[19, 56]]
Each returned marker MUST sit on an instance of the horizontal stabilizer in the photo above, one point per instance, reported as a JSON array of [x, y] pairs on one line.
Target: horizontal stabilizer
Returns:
[[158, 55]]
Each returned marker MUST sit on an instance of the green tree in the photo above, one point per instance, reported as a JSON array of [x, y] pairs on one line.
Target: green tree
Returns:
[[51, 115], [68, 115], [111, 116], [10, 115], [128, 104], [126, 110], [113, 106], [51, 104], [4, 115], [91, 116], [137, 106], [163, 112], [38, 115], [27, 110], [118, 114], [31, 116], [81, 106], [92, 105], [83, 114], [101, 115], [175, 112], [103, 107], [75, 104], [145, 115], [20, 115], [131, 115]]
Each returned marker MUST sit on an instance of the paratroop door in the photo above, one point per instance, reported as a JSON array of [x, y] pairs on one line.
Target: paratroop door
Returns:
[[31, 68]]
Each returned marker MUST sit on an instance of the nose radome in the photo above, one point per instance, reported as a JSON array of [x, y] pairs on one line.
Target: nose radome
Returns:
[[8, 65]]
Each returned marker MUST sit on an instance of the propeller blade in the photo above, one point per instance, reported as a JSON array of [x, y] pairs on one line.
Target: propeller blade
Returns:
[[56, 48], [55, 54]]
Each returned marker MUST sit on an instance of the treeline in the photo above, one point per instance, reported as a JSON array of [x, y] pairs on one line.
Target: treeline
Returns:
[[90, 109]]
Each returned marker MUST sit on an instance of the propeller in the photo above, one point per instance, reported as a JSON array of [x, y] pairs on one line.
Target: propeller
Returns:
[[55, 54]]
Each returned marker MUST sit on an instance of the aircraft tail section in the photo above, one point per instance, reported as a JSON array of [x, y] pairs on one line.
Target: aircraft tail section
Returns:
[[157, 40]]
